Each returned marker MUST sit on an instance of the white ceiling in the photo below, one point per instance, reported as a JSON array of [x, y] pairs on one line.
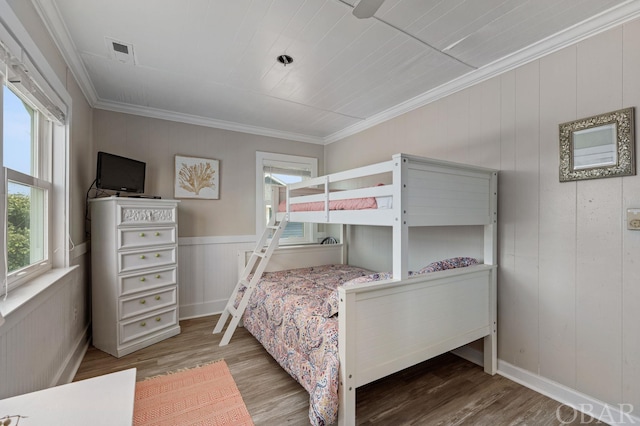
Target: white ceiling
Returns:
[[213, 62]]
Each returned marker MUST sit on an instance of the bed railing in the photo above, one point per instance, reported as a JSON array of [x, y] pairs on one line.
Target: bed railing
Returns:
[[323, 186], [422, 191]]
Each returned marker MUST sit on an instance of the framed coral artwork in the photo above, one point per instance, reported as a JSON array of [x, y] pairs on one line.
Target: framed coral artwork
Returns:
[[197, 178]]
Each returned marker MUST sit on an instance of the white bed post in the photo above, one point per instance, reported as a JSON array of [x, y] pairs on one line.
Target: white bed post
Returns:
[[343, 235], [491, 258], [347, 353], [400, 226]]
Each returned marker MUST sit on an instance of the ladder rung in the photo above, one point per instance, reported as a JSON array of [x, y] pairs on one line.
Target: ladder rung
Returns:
[[260, 252]]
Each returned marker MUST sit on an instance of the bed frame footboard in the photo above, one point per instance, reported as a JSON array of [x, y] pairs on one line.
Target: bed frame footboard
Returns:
[[391, 325]]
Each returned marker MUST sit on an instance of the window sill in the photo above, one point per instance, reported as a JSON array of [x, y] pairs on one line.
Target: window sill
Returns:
[[14, 307]]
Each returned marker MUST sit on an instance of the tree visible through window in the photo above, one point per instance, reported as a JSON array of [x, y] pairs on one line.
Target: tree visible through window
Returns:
[[18, 247]]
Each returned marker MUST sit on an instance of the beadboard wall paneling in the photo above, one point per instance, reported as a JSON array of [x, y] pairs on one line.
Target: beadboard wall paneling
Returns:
[[599, 230], [524, 349], [43, 342], [630, 240], [208, 273], [370, 247], [568, 274], [508, 189], [557, 280]]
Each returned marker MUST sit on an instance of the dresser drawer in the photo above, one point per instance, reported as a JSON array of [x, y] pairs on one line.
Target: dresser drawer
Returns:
[[140, 259], [132, 214], [147, 280], [147, 302], [142, 237], [146, 325]]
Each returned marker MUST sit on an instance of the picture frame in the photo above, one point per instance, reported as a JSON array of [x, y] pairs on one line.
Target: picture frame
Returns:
[[197, 178], [598, 147]]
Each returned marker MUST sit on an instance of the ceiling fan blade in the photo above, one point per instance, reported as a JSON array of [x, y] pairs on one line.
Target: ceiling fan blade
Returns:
[[367, 8]]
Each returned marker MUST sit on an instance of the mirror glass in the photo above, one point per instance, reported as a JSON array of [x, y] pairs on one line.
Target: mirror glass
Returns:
[[598, 147], [595, 147]]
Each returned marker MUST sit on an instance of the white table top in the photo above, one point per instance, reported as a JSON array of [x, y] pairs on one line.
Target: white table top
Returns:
[[103, 400]]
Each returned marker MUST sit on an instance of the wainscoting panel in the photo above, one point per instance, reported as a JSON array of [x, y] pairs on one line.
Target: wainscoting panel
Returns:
[[370, 247], [44, 339], [208, 272], [208, 266]]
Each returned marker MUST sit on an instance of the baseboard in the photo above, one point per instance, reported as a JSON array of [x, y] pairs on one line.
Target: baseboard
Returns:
[[198, 310], [618, 414], [73, 361], [613, 415]]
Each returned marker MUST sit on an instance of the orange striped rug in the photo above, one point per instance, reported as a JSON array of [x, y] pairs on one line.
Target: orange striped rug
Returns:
[[204, 395]]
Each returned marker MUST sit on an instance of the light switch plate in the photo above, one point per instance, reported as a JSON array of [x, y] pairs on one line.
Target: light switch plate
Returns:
[[633, 219]]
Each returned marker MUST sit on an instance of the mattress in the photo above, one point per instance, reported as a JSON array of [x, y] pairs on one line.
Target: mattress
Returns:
[[348, 204], [293, 314]]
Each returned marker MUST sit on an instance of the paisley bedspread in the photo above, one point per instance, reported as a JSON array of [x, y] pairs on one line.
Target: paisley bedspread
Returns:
[[293, 316]]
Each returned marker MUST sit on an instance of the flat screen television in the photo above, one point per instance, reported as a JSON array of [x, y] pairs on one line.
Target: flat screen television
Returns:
[[120, 173]]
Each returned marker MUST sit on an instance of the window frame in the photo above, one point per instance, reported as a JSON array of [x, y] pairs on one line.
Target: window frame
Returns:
[[282, 161], [21, 275], [20, 54], [42, 144]]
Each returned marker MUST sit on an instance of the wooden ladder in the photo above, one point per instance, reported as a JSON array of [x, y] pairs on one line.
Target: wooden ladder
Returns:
[[259, 259]]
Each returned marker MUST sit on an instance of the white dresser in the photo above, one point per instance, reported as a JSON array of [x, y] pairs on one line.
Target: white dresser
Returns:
[[134, 254]]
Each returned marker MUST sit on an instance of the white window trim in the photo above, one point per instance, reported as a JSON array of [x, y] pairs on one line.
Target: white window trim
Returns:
[[18, 39], [287, 160], [21, 276]]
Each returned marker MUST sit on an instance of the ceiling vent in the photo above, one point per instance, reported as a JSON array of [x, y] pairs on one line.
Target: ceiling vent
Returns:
[[120, 51]]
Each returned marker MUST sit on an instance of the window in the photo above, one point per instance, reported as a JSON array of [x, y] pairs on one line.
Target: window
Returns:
[[26, 140], [34, 130], [280, 170]]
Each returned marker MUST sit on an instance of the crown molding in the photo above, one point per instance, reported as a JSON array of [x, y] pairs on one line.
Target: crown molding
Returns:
[[623, 13], [204, 121], [52, 19], [54, 23]]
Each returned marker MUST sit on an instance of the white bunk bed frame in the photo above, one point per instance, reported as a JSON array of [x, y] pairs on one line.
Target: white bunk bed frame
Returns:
[[387, 326]]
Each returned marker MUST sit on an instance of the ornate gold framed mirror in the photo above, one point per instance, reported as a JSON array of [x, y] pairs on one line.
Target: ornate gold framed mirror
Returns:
[[598, 147]]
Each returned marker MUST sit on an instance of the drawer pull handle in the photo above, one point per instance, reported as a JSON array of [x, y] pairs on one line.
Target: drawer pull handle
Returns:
[[142, 234], [142, 256], [157, 297], [158, 276], [157, 254], [142, 302], [143, 279], [158, 319], [142, 324], [157, 234]]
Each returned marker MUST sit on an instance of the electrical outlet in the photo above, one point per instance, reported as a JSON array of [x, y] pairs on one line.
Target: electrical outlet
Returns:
[[633, 219], [75, 314]]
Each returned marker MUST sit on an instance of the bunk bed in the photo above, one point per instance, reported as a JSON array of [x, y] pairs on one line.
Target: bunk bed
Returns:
[[388, 321]]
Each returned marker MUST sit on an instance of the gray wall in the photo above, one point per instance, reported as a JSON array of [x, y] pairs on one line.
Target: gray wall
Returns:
[[156, 142], [568, 279]]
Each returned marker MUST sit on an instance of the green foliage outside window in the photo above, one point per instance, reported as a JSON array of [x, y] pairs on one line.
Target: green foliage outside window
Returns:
[[18, 224]]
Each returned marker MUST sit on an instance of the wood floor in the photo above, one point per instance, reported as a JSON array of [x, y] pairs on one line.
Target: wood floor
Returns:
[[446, 390]]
